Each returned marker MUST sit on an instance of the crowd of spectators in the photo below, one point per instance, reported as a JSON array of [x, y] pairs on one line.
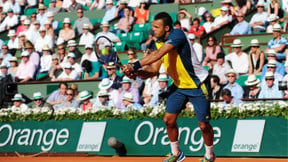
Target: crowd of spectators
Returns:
[[48, 50]]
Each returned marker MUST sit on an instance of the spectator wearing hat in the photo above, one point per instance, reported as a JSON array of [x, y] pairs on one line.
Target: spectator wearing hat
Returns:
[[13, 43], [67, 32], [9, 22], [14, 6], [211, 50], [98, 4], [198, 49], [271, 55], [74, 6], [258, 20], [46, 59], [68, 74], [271, 67], [127, 87], [278, 43], [103, 100], [105, 32], [42, 14], [49, 30], [112, 75], [185, 18], [39, 102], [128, 102], [43, 40], [5, 77], [13, 66], [272, 19], [18, 103], [229, 5], [72, 60], [242, 27], [50, 18], [5, 55], [221, 67], [269, 88], [20, 27], [110, 11], [229, 99], [238, 59], [197, 29], [69, 102], [160, 93], [216, 88], [256, 57], [85, 97], [72, 46], [106, 85], [89, 55], [78, 25], [53, 8], [87, 37], [120, 9], [59, 95], [34, 57], [125, 23], [235, 88], [142, 12], [26, 69], [55, 66], [252, 90], [209, 20], [222, 19], [29, 32]]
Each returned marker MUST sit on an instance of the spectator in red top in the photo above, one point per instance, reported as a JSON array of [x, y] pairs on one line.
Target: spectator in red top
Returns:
[[197, 29]]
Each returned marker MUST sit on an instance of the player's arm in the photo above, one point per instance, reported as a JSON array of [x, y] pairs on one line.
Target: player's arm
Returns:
[[150, 70]]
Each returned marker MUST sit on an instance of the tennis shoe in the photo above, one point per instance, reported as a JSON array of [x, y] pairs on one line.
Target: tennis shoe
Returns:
[[172, 158], [205, 159]]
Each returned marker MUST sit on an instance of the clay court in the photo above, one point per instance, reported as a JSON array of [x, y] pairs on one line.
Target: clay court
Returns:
[[128, 159]]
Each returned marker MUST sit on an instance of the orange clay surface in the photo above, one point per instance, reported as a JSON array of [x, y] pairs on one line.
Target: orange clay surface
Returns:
[[128, 159]]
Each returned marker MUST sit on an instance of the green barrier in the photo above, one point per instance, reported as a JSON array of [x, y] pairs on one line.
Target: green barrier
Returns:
[[257, 137]]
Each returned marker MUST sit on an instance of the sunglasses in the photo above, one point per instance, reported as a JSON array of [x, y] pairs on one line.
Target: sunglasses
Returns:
[[37, 100], [130, 53], [69, 94], [269, 79], [230, 76]]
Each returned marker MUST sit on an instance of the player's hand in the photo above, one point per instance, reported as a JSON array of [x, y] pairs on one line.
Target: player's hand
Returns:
[[128, 71]]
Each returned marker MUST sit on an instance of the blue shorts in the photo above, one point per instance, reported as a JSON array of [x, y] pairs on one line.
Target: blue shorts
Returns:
[[178, 98]]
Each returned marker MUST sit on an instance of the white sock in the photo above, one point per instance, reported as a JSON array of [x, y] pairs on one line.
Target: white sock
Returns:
[[209, 151], [174, 147]]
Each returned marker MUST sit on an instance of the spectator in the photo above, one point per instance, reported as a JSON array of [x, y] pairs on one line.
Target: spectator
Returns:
[[208, 23], [33, 56], [74, 87], [30, 33], [44, 39], [271, 55], [150, 42], [242, 7], [98, 4], [106, 84], [53, 8], [198, 49], [5, 55], [132, 55], [39, 103], [120, 9], [242, 27], [49, 30], [67, 74], [125, 23], [104, 100], [216, 88], [87, 37], [46, 59], [18, 103], [72, 60], [105, 32], [129, 103], [74, 6], [13, 66], [73, 49], [201, 14], [151, 88], [221, 67], [258, 20], [223, 19], [127, 87], [54, 23], [70, 102], [272, 19], [253, 90], [275, 8], [278, 43], [14, 5], [160, 93], [59, 95], [67, 33], [55, 66], [85, 97], [42, 15], [9, 22], [111, 70], [65, 4], [78, 25], [61, 50], [13, 43], [33, 19], [4, 73], [229, 99], [238, 59], [197, 29], [20, 27], [89, 55], [235, 88], [269, 89], [211, 51], [93, 70], [110, 11], [26, 69], [256, 58], [141, 14], [29, 4], [271, 67], [185, 18], [230, 7]]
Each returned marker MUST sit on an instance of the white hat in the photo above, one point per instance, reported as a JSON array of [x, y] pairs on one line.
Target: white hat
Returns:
[[128, 97], [42, 28], [88, 46], [123, 2], [24, 54], [85, 26], [102, 93], [3, 65], [111, 65], [271, 52], [163, 78], [27, 22], [260, 4], [109, 2], [226, 1], [269, 75], [252, 80], [46, 47], [70, 54], [143, 1], [18, 97], [60, 41], [237, 43], [273, 17], [47, 22], [271, 63], [13, 59], [191, 36], [105, 84], [55, 56], [50, 14], [67, 20], [23, 17], [37, 95], [126, 80], [231, 71], [105, 24], [67, 65], [41, 7], [223, 8], [36, 22], [21, 34], [11, 33], [72, 43], [84, 95], [201, 11], [254, 42], [276, 27]]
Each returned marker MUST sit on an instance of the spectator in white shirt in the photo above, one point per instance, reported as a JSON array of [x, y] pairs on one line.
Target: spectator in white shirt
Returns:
[[71, 59], [98, 4], [42, 15], [30, 33], [238, 59], [185, 18], [13, 42], [196, 46], [46, 59], [67, 74], [18, 103], [105, 32], [272, 19], [89, 55], [209, 23], [221, 67], [110, 11], [14, 6], [44, 39], [258, 20], [223, 19], [87, 37], [10, 21]]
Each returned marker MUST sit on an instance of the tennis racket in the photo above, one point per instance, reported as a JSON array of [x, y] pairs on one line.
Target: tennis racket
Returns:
[[106, 51]]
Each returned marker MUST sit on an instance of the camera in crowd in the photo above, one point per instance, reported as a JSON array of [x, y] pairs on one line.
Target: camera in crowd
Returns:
[[283, 85]]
